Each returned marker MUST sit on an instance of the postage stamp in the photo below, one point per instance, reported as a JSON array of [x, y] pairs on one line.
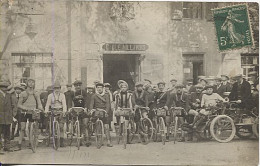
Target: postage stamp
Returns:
[[233, 27]]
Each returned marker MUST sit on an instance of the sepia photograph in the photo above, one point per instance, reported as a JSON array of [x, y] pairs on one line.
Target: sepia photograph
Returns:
[[129, 82]]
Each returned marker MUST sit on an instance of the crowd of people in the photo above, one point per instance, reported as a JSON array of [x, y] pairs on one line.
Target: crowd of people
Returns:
[[190, 97]]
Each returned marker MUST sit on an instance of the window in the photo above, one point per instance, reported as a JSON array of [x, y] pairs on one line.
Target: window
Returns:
[[209, 7], [37, 65], [249, 63], [192, 10]]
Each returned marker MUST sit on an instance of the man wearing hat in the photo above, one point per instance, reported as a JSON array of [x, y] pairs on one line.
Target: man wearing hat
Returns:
[[108, 87], [224, 86], [179, 99], [6, 116], [241, 91], [57, 102], [29, 100], [80, 100], [69, 94], [123, 99], [23, 85], [100, 100]]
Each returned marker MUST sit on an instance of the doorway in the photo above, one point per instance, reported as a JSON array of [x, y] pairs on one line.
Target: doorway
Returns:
[[121, 67], [193, 66]]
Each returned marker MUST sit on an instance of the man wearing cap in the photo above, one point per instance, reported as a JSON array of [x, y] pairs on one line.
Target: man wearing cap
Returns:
[[80, 100], [139, 99], [23, 85], [29, 100], [173, 83], [6, 116], [241, 91], [123, 99], [109, 93], [225, 86], [57, 101], [100, 100], [69, 94], [179, 99], [15, 97]]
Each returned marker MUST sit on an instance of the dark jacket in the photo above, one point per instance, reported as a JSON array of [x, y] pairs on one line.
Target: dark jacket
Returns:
[[7, 108], [178, 100], [79, 99], [245, 91], [193, 98], [160, 99], [99, 101], [69, 95], [140, 99], [223, 88]]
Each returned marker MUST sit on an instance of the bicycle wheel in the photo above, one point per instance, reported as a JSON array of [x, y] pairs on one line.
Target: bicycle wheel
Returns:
[[244, 131], [77, 130], [99, 133], [255, 127], [70, 133], [33, 137], [175, 129], [124, 134], [222, 128], [147, 127], [156, 129], [48, 141], [132, 129], [56, 135], [162, 129]]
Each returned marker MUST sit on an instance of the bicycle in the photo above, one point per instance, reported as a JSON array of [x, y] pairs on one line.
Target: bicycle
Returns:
[[54, 127], [146, 124], [33, 131], [74, 128], [99, 126], [176, 113], [126, 112], [160, 114]]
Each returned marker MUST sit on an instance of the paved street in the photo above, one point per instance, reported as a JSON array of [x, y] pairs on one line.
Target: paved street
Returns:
[[237, 152]]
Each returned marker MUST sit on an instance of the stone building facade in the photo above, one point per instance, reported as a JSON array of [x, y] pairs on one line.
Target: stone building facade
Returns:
[[108, 41]]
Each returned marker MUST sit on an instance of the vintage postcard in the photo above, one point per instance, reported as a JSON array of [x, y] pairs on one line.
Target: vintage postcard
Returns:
[[129, 82]]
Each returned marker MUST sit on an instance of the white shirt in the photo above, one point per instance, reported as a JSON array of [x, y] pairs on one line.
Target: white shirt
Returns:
[[210, 99], [51, 101]]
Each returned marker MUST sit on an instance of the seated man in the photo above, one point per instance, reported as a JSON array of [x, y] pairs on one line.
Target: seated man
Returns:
[[208, 99], [100, 100]]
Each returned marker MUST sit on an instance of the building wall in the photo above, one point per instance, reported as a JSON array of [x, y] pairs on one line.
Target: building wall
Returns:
[[91, 26]]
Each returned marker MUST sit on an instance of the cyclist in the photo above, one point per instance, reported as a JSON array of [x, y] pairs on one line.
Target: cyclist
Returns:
[[179, 99], [140, 99], [80, 100], [160, 102], [69, 95], [57, 100], [29, 100], [123, 99], [100, 100]]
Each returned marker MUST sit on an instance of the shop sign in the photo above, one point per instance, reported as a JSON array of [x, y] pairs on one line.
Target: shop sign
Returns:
[[124, 47]]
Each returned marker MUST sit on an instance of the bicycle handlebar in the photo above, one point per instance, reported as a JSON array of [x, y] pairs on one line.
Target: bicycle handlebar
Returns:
[[31, 111]]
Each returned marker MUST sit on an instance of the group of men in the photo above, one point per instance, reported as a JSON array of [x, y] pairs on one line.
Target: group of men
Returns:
[[190, 97]]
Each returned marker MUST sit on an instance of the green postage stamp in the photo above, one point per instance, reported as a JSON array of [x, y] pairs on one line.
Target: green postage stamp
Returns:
[[233, 27]]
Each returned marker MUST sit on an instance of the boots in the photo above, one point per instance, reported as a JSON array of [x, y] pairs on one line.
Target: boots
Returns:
[[88, 143], [107, 132], [62, 142], [200, 119], [128, 137], [117, 128], [190, 136]]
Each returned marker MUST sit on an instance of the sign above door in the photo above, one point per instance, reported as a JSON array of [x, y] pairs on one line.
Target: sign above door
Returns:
[[124, 47]]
